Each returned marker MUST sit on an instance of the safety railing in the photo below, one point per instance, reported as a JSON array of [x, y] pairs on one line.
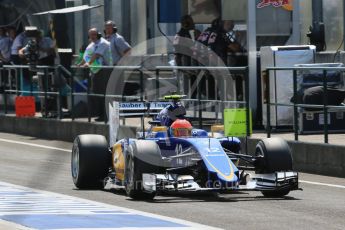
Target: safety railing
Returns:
[[324, 107], [44, 91], [12, 82]]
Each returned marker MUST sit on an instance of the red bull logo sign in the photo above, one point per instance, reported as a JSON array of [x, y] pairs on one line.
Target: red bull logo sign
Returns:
[[286, 4]]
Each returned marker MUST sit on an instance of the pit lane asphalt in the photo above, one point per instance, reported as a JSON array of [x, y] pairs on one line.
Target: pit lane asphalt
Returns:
[[317, 207]]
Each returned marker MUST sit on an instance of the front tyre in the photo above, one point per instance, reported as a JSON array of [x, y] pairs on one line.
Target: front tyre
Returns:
[[143, 157], [90, 161], [276, 193], [276, 157]]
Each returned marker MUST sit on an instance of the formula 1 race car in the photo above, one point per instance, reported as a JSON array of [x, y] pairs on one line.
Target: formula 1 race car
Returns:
[[182, 160]]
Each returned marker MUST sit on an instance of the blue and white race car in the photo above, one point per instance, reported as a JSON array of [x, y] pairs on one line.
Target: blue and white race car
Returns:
[[179, 158]]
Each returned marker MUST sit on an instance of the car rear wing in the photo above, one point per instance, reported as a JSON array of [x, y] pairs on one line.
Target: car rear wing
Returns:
[[119, 110]]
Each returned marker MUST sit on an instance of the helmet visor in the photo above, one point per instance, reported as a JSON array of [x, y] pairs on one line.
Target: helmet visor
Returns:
[[182, 132]]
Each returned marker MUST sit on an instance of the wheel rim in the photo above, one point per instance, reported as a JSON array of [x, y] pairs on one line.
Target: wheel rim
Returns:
[[259, 152], [75, 162]]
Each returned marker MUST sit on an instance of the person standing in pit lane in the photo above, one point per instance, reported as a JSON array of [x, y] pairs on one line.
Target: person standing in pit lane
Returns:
[[98, 52], [119, 46]]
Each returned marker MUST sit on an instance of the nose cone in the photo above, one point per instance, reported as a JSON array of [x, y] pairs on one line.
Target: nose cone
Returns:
[[216, 159]]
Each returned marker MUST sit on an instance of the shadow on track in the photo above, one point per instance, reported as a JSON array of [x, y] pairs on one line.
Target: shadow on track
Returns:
[[201, 197]]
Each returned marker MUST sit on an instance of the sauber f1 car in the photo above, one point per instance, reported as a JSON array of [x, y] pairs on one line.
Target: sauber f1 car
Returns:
[[162, 162]]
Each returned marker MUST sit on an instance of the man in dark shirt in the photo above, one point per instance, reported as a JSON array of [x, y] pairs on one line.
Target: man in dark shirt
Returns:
[[222, 39], [184, 41], [212, 50], [315, 96]]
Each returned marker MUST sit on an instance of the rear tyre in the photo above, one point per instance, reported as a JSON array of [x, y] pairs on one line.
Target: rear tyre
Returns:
[[142, 157], [276, 157], [90, 161]]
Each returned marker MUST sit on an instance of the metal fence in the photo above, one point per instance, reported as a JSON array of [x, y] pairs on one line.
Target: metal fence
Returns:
[[12, 83], [325, 107], [10, 77]]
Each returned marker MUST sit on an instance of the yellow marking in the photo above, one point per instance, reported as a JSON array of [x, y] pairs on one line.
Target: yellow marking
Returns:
[[227, 177], [217, 128], [159, 129], [118, 161]]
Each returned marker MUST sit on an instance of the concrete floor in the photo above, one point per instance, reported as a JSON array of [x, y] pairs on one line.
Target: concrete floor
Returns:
[[320, 206]]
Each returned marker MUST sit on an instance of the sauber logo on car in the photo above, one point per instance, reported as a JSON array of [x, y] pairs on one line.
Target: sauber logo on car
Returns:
[[137, 105], [143, 106]]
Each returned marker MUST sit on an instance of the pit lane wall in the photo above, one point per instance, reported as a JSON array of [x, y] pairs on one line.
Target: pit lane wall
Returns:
[[64, 130], [323, 159]]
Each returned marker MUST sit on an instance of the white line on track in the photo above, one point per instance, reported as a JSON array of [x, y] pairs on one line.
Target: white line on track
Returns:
[[34, 145], [188, 225], [68, 150], [5, 225], [322, 184]]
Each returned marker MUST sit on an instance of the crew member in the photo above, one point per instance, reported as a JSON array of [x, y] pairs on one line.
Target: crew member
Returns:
[[6, 44], [119, 46], [171, 113], [184, 42], [315, 96], [98, 53]]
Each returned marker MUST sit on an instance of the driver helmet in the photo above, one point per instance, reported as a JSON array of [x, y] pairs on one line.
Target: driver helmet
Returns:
[[181, 128]]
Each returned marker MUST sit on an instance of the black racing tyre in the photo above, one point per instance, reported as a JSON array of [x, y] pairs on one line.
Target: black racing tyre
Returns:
[[142, 157], [276, 193], [90, 162], [276, 155]]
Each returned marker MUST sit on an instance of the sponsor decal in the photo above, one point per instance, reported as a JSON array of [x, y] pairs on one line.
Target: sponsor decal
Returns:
[[143, 106], [285, 4], [159, 105], [132, 105]]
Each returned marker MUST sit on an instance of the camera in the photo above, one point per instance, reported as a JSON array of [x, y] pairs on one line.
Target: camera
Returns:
[[31, 50]]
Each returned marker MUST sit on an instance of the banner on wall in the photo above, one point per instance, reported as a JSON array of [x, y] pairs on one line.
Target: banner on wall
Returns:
[[235, 122], [285, 4]]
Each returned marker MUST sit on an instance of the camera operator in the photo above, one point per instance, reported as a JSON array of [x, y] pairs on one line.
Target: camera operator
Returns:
[[39, 50]]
